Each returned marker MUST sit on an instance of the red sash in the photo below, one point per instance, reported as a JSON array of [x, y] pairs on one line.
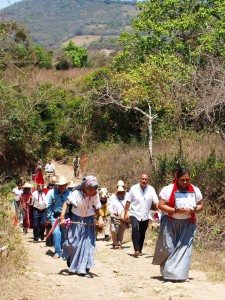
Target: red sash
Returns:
[[171, 203]]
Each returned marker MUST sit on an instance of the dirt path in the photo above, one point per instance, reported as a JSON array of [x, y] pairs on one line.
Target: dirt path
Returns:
[[117, 275]]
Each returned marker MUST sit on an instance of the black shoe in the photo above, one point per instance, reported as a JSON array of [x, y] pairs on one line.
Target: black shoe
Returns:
[[35, 241], [107, 237], [68, 262], [88, 275]]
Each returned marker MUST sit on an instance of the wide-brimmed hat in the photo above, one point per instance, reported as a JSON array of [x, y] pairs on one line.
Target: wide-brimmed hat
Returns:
[[53, 179], [27, 185], [62, 180], [71, 184], [120, 183], [120, 189]]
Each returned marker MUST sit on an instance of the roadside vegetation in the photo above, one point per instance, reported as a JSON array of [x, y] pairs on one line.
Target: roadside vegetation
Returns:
[[13, 260]]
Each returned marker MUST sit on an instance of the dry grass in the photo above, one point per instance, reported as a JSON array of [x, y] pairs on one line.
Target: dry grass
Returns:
[[120, 161], [30, 77], [81, 40], [196, 147], [14, 260], [85, 40], [212, 263], [57, 77]]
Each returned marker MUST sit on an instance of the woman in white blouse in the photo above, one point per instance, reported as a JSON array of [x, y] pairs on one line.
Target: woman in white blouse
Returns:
[[116, 210], [79, 247]]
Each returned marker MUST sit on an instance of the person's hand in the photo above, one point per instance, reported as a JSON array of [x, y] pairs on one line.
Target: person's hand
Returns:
[[116, 213], [126, 217], [62, 222], [100, 222], [184, 210], [192, 210]]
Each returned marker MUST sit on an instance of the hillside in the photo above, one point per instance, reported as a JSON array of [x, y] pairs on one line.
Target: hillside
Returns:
[[52, 22]]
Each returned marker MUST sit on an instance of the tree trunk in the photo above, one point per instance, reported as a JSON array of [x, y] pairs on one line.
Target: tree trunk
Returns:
[[150, 139]]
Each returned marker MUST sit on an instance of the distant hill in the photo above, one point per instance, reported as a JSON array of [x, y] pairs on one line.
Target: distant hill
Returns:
[[52, 22]]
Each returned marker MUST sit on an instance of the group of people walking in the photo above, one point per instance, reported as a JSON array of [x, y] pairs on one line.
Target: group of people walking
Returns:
[[75, 214]]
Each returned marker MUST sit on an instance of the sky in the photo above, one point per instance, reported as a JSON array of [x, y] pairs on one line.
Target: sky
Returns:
[[5, 3]]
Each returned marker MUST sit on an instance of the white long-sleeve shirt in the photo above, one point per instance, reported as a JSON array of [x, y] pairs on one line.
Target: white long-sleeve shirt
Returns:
[[39, 200], [117, 206]]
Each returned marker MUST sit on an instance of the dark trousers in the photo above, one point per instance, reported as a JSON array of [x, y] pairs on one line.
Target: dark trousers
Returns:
[[138, 232], [39, 218]]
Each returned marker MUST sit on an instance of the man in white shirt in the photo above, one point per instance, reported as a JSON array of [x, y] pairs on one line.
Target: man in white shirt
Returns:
[[50, 168], [40, 203], [140, 199]]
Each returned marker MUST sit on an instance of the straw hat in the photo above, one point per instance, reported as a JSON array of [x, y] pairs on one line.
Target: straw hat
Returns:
[[71, 184], [120, 189], [62, 180], [27, 185], [53, 179], [120, 183]]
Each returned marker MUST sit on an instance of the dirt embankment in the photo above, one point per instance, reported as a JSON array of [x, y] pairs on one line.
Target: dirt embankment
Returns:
[[117, 275]]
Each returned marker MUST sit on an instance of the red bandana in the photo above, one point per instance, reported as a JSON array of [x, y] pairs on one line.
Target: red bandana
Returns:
[[171, 203]]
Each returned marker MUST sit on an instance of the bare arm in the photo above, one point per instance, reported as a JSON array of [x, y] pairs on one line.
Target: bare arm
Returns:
[[64, 209], [199, 206], [99, 217], [127, 206], [163, 206]]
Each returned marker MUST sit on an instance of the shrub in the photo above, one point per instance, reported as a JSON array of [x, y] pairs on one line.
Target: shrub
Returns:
[[57, 154]]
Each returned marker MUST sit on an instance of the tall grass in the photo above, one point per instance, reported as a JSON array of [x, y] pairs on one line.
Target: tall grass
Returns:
[[14, 259]]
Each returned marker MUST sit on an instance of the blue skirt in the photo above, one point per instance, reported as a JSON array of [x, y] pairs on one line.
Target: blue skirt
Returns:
[[174, 248], [79, 246]]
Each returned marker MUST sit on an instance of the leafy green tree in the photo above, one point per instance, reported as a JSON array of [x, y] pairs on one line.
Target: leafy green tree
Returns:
[[15, 48], [77, 55], [43, 57], [190, 29]]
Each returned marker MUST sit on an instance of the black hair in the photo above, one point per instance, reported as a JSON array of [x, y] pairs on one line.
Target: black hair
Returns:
[[19, 182], [181, 171]]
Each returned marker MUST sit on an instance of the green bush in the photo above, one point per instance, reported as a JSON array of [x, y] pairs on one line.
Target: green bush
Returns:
[[57, 154]]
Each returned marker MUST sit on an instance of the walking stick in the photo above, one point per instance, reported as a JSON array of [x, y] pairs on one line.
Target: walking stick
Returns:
[[68, 222], [53, 228]]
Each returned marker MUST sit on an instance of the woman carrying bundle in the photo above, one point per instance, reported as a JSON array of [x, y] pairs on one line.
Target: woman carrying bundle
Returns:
[[179, 203], [79, 248]]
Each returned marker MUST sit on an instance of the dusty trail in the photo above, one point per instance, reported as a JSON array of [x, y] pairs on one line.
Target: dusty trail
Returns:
[[117, 275]]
